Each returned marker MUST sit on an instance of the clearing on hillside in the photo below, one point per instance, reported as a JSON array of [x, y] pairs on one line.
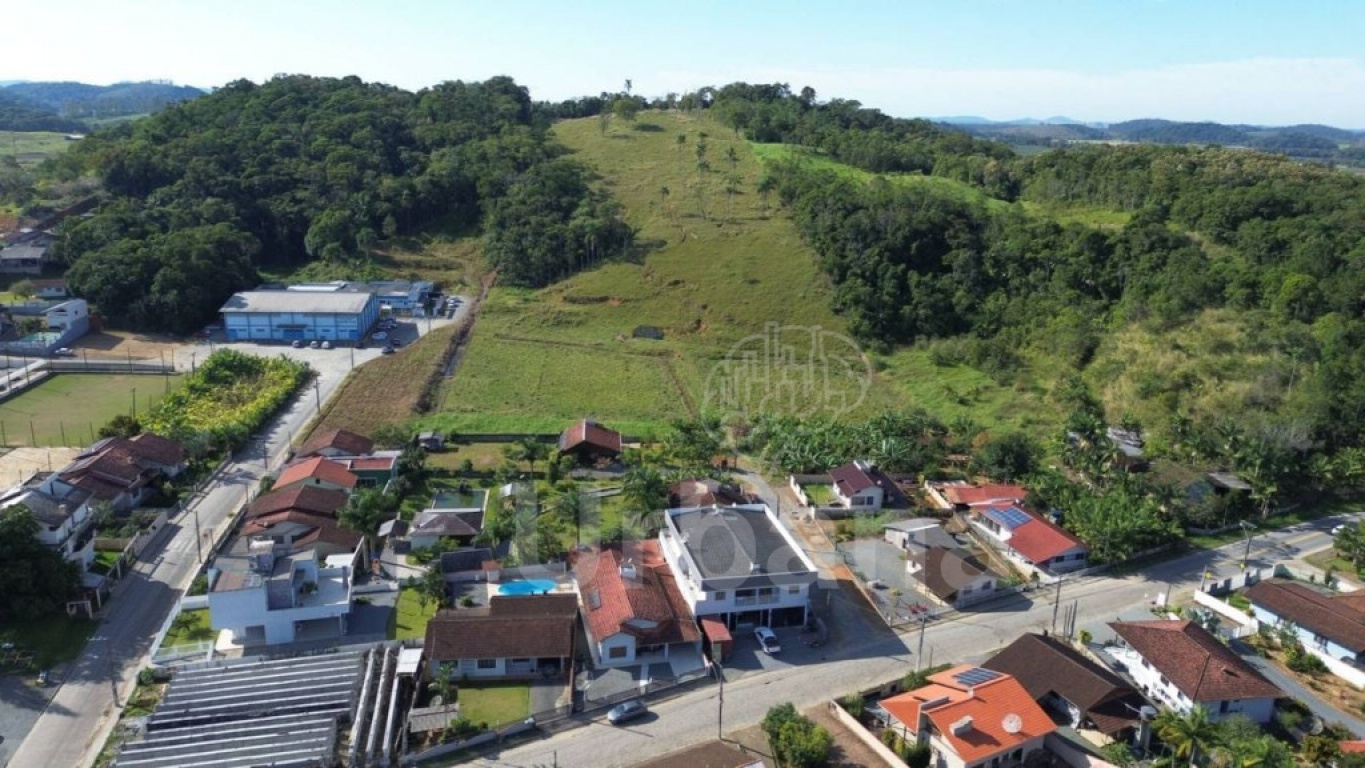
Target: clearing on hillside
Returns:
[[720, 265]]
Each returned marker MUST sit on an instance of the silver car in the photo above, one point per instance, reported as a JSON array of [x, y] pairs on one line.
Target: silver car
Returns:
[[627, 710]]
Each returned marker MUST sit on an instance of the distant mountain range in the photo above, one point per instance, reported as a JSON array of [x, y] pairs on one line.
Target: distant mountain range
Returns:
[[1309, 141], [65, 107]]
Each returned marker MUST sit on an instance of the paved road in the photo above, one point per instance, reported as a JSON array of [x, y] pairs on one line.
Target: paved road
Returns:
[[84, 710], [972, 636]]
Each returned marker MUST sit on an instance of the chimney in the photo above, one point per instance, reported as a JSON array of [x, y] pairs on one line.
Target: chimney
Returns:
[[628, 570]]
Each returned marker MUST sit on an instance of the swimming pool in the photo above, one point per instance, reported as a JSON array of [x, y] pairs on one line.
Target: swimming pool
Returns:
[[527, 587]]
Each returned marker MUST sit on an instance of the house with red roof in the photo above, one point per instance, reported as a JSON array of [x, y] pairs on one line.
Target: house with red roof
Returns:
[[336, 442], [964, 496], [317, 471], [1030, 540], [590, 442], [860, 486], [121, 471], [971, 716], [1330, 625], [632, 609], [1180, 665], [301, 516]]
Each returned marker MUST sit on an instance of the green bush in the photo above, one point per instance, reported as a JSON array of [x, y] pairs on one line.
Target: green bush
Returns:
[[797, 741], [852, 704], [227, 399]]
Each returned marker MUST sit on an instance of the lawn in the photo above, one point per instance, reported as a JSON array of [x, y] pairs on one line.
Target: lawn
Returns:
[[32, 147], [495, 703], [51, 639], [819, 495], [188, 628], [105, 560], [68, 409], [1328, 560], [409, 617], [711, 283]]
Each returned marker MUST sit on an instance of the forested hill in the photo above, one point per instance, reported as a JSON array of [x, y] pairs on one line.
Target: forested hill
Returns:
[[17, 114], [81, 100], [204, 193]]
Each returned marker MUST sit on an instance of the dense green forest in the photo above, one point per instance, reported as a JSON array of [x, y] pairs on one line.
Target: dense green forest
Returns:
[[82, 100], [205, 193], [17, 114]]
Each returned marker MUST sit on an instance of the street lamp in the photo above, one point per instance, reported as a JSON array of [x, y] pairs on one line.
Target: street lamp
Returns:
[[1247, 528]]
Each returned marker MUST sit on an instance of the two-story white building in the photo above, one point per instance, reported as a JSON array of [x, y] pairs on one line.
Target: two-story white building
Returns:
[[738, 564], [264, 593], [64, 522], [1179, 665]]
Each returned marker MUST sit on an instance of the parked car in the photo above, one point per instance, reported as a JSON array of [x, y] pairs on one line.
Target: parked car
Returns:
[[380, 336], [326, 345], [296, 343], [388, 349], [44, 677], [767, 640], [625, 711], [1337, 530], [314, 344], [63, 352]]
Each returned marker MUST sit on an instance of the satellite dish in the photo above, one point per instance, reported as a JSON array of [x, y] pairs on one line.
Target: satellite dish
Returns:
[[1316, 727], [1012, 723]]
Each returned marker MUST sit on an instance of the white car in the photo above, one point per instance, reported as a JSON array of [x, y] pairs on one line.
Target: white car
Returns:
[[326, 345], [767, 640], [1337, 530]]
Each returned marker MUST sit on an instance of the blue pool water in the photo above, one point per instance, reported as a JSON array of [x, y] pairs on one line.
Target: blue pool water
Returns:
[[527, 587]]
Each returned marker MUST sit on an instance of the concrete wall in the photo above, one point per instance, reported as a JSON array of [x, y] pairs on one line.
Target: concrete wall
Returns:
[[856, 728]]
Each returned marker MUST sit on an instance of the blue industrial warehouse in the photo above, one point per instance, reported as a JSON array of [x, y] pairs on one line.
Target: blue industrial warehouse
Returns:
[[300, 314]]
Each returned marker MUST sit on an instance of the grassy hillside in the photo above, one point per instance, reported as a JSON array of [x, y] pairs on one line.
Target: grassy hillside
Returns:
[[32, 147], [541, 358]]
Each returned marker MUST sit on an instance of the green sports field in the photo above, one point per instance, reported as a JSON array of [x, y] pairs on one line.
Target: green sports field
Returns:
[[69, 408]]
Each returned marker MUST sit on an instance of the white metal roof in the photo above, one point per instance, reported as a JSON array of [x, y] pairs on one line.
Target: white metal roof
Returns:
[[297, 301]]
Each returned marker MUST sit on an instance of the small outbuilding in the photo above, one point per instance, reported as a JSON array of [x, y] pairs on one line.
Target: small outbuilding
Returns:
[[590, 442]]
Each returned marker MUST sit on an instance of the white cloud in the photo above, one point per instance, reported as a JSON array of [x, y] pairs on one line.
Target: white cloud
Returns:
[[1258, 91]]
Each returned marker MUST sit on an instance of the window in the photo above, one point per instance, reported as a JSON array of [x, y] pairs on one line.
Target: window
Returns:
[[488, 663], [793, 590], [619, 652], [719, 595], [1223, 707]]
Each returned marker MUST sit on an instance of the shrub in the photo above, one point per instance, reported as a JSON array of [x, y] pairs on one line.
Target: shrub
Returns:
[[1086, 637], [200, 585], [852, 704], [227, 399]]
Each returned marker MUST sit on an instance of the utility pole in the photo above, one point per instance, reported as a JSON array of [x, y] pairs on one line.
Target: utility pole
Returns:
[[198, 537], [720, 701], [1246, 553], [919, 654], [317, 393], [1056, 604]]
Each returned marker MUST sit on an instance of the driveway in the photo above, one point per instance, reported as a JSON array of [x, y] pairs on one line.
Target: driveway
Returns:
[[1324, 711]]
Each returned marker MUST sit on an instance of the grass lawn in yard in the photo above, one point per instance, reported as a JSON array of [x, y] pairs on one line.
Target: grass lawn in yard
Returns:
[[495, 703], [409, 617], [105, 560], [77, 404], [51, 639], [484, 457], [819, 495], [1328, 560], [189, 627]]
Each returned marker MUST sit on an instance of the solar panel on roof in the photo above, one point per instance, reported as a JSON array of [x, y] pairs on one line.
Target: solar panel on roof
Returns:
[[1010, 517], [975, 676]]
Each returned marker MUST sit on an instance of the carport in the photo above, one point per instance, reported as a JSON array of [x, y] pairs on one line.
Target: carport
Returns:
[[718, 637]]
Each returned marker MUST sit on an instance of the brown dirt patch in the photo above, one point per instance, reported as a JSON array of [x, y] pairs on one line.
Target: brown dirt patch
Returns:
[[124, 344], [849, 751], [18, 464]]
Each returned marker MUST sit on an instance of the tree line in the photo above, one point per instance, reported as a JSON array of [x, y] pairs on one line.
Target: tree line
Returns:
[[204, 194]]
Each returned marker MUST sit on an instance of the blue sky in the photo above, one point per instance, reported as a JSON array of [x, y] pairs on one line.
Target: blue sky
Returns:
[[1257, 61]]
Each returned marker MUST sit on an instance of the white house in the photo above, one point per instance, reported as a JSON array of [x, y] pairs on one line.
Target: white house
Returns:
[[1328, 625], [1179, 665], [950, 576], [971, 717], [632, 609], [64, 523], [739, 564], [264, 593], [859, 485], [1033, 542]]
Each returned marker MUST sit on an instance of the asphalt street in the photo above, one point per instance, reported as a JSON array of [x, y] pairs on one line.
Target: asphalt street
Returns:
[[969, 637], [84, 711]]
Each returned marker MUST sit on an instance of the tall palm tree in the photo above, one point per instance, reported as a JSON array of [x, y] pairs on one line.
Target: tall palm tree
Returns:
[[1191, 735], [568, 505], [529, 450]]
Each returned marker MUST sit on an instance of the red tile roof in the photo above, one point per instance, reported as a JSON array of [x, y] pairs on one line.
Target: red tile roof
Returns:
[[1352, 747], [947, 701], [317, 468], [851, 479], [589, 432], [1045, 665], [1339, 618], [1040, 539], [1195, 661], [371, 464], [306, 498], [985, 495], [345, 442], [159, 449], [611, 601]]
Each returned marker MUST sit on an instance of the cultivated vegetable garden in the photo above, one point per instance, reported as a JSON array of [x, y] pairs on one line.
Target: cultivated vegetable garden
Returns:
[[227, 399]]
